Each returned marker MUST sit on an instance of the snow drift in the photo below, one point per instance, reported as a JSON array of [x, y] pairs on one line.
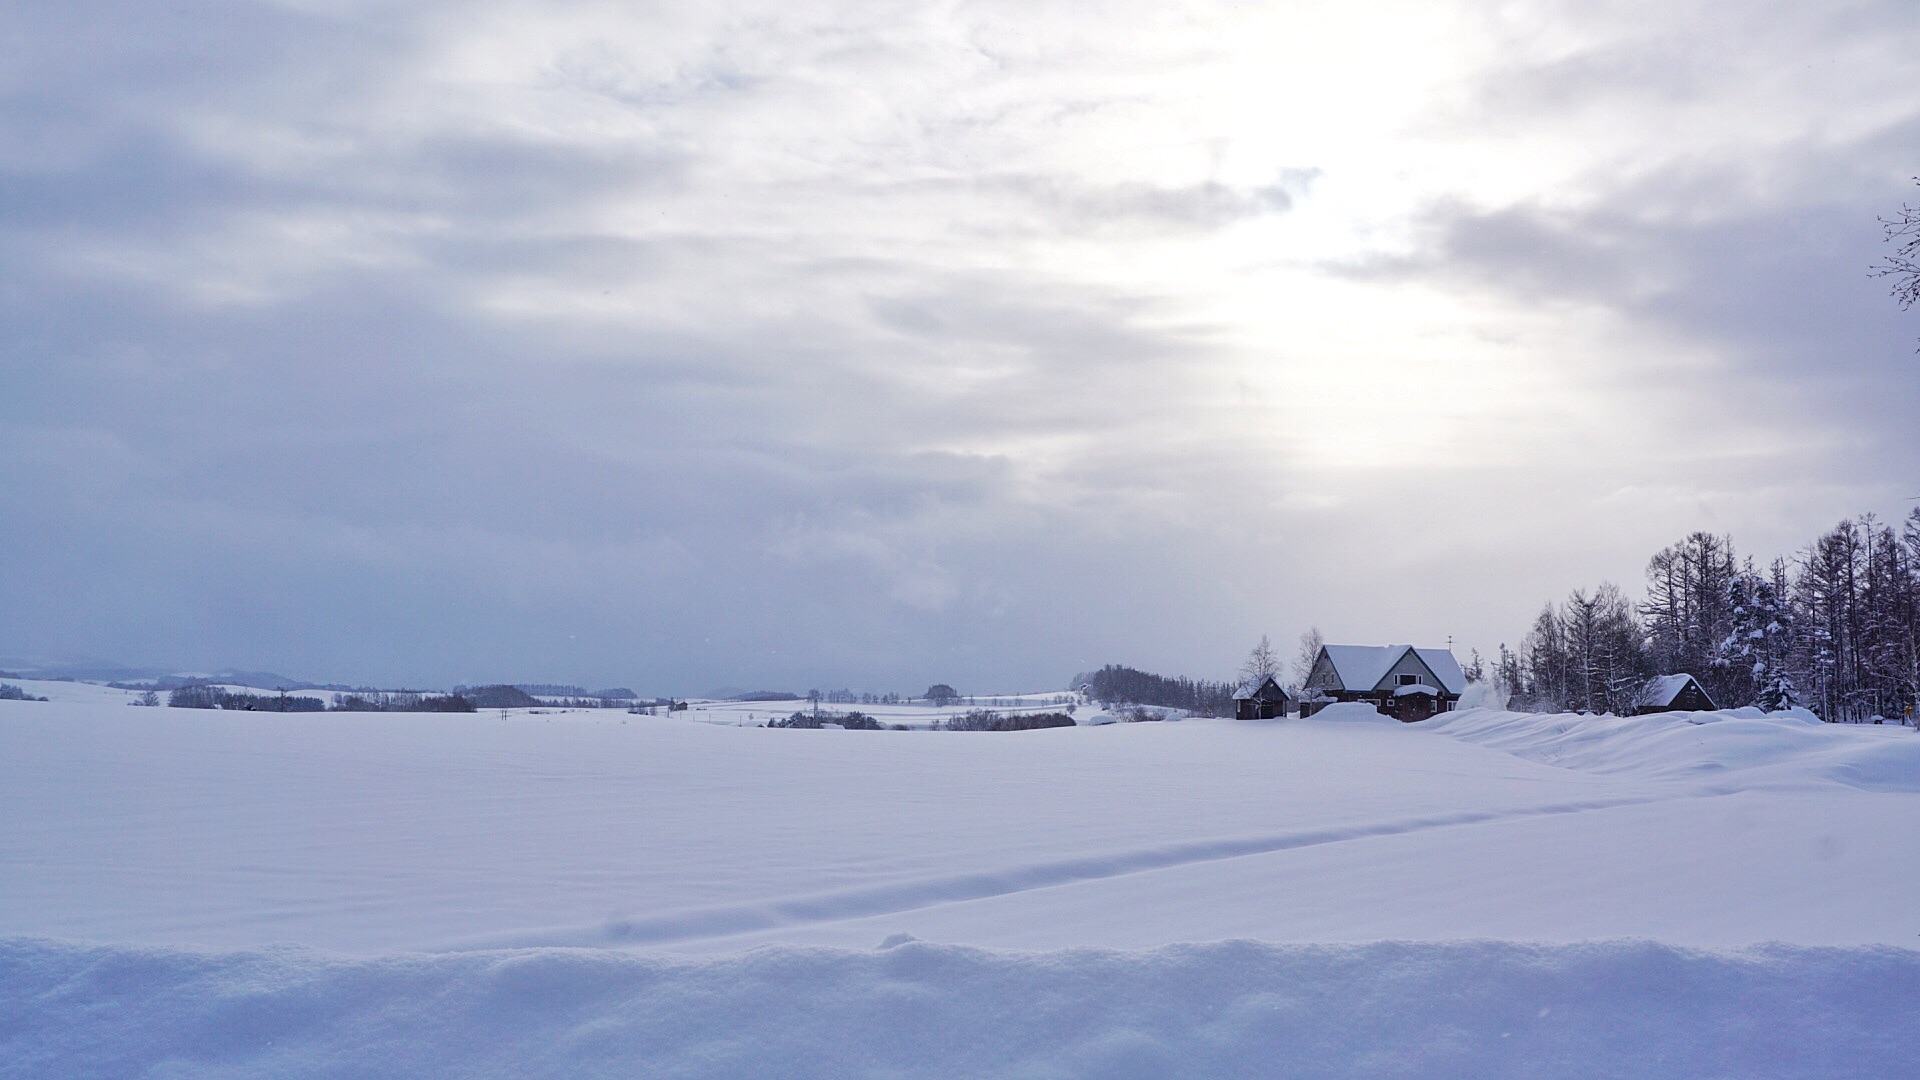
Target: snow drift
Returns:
[[1233, 1009], [1761, 748]]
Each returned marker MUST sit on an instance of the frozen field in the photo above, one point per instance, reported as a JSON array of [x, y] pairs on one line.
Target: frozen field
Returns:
[[158, 863]]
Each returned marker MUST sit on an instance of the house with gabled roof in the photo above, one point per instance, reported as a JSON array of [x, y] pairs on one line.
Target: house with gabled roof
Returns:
[[1673, 693], [1262, 700], [1399, 680]]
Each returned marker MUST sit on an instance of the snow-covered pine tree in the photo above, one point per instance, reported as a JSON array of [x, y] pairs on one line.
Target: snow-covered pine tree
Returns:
[[1778, 692]]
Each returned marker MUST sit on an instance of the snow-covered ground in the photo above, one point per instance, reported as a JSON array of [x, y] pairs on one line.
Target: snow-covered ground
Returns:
[[150, 855]]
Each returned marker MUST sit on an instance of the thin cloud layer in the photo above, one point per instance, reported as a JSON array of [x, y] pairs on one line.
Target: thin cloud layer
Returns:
[[768, 344]]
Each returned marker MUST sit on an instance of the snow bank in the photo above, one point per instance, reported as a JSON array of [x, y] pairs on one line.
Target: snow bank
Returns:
[[1352, 712], [1780, 748], [1232, 1009]]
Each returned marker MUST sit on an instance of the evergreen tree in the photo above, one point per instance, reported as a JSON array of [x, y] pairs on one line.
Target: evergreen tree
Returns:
[[1836, 629]]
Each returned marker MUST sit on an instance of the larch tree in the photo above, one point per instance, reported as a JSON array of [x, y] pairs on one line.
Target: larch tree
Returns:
[[1903, 264]]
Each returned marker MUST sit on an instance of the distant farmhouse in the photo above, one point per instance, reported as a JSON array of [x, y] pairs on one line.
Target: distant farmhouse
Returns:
[[1402, 681], [1673, 693], [1264, 700]]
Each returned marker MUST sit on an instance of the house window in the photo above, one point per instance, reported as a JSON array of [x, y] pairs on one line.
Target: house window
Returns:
[[1409, 680]]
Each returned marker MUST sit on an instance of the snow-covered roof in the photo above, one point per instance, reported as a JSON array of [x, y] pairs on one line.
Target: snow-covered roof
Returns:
[[1416, 688], [1662, 690], [1362, 667], [1252, 690]]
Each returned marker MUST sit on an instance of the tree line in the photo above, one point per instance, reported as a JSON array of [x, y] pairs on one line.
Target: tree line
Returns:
[[198, 696], [1116, 684], [1835, 628]]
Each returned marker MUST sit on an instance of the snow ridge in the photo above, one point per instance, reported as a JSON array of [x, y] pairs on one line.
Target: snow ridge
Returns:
[[1230, 1009]]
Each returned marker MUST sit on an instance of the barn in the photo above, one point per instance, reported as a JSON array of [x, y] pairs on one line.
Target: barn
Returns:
[[1402, 681], [1264, 700], [1673, 693]]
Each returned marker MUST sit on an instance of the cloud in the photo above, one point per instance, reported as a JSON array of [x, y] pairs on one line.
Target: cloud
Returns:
[[876, 344]]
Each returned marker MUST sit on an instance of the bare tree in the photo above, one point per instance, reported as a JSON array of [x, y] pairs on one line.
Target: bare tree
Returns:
[[1309, 651], [1903, 266], [1261, 663]]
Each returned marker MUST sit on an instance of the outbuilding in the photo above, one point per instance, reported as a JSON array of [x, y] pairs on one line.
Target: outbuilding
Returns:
[[1263, 700], [1673, 693]]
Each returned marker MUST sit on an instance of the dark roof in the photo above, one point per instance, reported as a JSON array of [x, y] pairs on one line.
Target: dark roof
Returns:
[[1266, 689], [1666, 689]]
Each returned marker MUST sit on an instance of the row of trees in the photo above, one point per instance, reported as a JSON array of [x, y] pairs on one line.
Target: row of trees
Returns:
[[857, 721], [989, 720], [1835, 628], [196, 696], [199, 696], [404, 701], [1115, 684]]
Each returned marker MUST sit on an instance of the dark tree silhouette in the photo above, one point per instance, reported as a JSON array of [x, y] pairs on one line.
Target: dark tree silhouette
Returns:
[[1114, 685]]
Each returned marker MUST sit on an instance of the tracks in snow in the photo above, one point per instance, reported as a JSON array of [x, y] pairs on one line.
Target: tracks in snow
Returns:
[[733, 919]]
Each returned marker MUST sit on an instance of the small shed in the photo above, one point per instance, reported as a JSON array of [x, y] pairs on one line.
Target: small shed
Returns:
[[1673, 693], [1264, 700]]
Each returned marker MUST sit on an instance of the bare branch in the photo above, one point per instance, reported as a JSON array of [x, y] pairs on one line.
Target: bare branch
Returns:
[[1903, 265]]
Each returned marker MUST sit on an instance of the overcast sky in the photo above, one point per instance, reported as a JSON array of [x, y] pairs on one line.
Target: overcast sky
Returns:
[[791, 344]]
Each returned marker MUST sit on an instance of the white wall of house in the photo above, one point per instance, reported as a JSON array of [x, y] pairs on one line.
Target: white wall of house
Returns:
[[1410, 664]]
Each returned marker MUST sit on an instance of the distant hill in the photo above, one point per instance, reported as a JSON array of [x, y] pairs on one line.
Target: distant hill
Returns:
[[127, 677]]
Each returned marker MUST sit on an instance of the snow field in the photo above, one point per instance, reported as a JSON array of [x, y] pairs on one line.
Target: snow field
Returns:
[[401, 895], [1231, 1009], [365, 833]]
